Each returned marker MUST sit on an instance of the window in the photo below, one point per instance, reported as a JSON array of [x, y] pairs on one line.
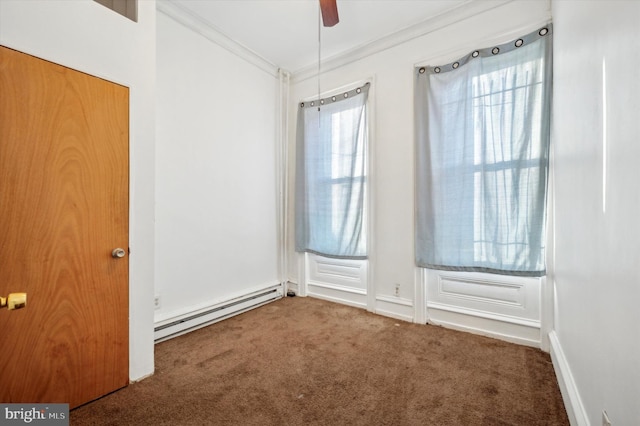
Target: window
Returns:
[[482, 126], [331, 169]]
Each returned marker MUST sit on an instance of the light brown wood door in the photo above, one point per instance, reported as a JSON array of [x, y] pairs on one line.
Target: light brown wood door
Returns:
[[64, 206]]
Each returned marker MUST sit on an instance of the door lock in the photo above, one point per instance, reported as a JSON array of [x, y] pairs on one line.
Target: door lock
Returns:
[[14, 301]]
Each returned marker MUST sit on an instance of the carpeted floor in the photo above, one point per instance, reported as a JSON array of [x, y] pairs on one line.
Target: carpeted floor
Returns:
[[304, 361]]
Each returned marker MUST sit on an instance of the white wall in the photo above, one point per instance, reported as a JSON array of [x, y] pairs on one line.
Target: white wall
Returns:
[[392, 144], [88, 37], [597, 238], [216, 226]]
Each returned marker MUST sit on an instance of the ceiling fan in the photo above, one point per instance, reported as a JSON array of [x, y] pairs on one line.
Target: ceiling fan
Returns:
[[329, 12]]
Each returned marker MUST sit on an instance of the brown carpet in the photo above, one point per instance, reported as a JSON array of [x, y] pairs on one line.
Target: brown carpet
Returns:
[[304, 361]]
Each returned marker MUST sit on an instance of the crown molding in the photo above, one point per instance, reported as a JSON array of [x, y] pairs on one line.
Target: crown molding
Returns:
[[202, 27], [460, 13]]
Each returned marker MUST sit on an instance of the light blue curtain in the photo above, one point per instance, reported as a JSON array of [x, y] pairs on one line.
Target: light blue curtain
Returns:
[[482, 135], [331, 175]]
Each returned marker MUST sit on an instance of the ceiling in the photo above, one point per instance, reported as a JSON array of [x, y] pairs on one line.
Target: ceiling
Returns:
[[285, 32]]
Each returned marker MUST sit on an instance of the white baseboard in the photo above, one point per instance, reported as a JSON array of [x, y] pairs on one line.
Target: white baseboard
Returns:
[[570, 395], [395, 307], [388, 306], [336, 294], [499, 329], [293, 286]]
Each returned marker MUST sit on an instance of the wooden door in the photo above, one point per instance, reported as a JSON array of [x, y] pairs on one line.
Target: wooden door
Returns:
[[64, 206]]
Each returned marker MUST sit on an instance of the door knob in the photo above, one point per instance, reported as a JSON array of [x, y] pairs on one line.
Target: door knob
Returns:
[[117, 253], [14, 301]]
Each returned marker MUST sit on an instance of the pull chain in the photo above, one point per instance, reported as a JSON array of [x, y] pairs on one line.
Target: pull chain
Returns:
[[319, 58]]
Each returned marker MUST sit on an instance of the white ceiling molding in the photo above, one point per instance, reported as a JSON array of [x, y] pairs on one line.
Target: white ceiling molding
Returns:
[[466, 10], [202, 27]]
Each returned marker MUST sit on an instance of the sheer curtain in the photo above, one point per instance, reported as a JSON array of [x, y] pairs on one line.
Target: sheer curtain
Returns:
[[331, 175], [482, 135]]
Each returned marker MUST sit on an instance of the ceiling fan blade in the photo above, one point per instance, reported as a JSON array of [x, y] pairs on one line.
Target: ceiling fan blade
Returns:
[[329, 12]]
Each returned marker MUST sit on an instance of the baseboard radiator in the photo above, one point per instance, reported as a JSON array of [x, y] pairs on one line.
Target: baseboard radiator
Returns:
[[176, 326]]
